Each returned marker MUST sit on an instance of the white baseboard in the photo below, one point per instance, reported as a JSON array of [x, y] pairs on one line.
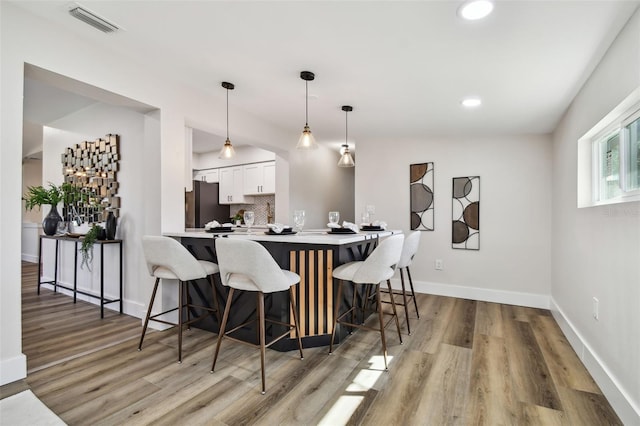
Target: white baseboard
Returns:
[[13, 369], [619, 399], [129, 307], [530, 300], [29, 258]]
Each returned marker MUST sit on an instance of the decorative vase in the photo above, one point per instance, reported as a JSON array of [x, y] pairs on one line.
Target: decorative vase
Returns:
[[50, 222], [111, 225]]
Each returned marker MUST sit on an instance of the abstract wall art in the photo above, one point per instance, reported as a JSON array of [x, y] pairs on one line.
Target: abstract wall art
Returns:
[[421, 201], [92, 167], [465, 213]]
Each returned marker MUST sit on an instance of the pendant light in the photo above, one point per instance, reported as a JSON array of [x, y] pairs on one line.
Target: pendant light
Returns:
[[307, 141], [227, 150], [346, 160]]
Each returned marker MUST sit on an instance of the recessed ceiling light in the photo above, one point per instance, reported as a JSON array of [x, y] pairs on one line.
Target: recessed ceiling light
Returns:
[[475, 9], [471, 102]]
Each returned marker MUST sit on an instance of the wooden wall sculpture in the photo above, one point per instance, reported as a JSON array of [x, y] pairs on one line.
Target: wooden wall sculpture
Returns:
[[92, 167]]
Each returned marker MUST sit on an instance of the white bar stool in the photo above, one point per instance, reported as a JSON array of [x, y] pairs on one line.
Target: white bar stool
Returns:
[[168, 259], [409, 250], [377, 267], [246, 265]]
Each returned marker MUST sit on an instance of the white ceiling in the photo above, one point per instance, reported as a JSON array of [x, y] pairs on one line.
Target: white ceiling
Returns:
[[403, 65]]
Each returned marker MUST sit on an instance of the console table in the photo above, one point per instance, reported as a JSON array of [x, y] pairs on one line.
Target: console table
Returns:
[[76, 241]]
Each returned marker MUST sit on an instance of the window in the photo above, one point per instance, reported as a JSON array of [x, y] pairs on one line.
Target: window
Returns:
[[633, 157], [617, 161]]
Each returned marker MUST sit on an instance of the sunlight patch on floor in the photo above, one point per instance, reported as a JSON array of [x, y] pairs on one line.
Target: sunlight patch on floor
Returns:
[[341, 411], [346, 405]]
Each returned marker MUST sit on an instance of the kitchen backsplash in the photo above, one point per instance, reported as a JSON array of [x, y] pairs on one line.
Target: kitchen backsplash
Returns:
[[259, 207]]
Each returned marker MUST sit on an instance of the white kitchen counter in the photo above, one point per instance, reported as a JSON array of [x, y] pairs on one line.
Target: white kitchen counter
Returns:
[[312, 236]]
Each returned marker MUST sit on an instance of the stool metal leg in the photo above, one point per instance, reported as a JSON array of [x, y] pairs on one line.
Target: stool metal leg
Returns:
[[180, 307], [353, 311], [146, 320], [188, 304], [223, 326], [295, 319], [216, 305], [336, 313], [384, 341], [413, 293], [404, 300], [262, 339], [395, 312]]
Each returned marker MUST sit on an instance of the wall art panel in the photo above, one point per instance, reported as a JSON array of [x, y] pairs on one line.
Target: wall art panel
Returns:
[[91, 167], [421, 201], [465, 213]]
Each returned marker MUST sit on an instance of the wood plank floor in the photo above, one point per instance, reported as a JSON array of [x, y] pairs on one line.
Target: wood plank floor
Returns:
[[466, 363]]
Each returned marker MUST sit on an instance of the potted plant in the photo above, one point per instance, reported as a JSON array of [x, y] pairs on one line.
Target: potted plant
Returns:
[[38, 196], [86, 249]]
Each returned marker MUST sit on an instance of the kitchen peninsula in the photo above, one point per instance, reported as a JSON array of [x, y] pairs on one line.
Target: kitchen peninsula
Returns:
[[312, 254]]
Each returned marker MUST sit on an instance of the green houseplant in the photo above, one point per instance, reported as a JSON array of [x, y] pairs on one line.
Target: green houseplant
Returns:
[[39, 196], [86, 249]]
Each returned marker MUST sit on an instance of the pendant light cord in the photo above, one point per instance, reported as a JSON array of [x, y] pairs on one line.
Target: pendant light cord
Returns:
[[346, 128], [227, 114], [306, 103]]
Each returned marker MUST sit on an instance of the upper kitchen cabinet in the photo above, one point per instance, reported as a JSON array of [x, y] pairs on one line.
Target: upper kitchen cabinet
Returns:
[[209, 176], [260, 178], [232, 186]]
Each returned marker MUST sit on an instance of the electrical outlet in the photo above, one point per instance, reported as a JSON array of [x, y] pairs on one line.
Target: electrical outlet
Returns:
[[596, 314], [439, 264]]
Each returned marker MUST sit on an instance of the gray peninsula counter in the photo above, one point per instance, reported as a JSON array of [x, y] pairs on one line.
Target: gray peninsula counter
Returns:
[[311, 254]]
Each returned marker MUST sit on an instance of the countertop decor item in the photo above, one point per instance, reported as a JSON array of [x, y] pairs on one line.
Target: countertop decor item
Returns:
[[307, 141]]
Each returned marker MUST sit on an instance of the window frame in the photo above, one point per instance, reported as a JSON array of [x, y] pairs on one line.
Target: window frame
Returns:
[[589, 158], [619, 128]]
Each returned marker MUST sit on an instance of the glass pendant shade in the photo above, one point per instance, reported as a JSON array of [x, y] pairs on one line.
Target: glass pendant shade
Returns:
[[307, 141], [227, 151], [346, 160]]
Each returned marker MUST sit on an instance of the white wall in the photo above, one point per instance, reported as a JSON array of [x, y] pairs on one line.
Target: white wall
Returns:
[[32, 176], [596, 250], [28, 39], [135, 186], [244, 154], [319, 186], [513, 263]]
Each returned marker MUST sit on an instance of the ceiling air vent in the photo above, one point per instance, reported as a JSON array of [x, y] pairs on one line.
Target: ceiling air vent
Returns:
[[95, 21]]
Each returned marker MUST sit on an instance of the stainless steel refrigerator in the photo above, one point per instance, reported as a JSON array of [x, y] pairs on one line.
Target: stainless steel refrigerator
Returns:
[[201, 205]]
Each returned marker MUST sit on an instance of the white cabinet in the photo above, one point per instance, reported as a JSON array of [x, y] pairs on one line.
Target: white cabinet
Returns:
[[232, 186], [209, 176], [260, 178]]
